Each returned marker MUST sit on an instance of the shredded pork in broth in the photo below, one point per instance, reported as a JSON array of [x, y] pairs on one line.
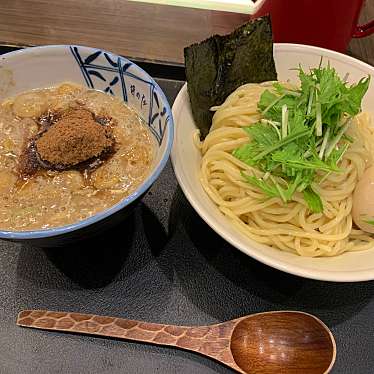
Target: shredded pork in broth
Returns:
[[53, 198]]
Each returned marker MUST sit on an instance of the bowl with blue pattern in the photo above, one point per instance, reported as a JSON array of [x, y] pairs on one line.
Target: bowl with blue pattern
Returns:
[[46, 66]]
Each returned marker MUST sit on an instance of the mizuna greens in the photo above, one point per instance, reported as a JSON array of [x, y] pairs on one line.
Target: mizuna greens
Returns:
[[302, 136]]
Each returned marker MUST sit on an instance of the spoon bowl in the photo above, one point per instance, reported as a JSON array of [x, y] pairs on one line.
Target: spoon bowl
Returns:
[[282, 342], [267, 343]]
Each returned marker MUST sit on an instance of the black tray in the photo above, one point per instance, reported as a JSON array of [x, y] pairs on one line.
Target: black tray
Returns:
[[162, 264]]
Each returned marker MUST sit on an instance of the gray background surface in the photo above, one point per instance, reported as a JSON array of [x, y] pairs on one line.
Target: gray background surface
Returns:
[[162, 264]]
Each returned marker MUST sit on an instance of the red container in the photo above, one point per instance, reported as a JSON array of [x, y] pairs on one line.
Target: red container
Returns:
[[325, 23]]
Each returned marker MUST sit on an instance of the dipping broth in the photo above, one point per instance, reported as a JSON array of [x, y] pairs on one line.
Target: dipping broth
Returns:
[[50, 197]]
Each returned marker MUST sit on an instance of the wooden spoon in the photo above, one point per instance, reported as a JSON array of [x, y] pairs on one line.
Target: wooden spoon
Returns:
[[273, 342]]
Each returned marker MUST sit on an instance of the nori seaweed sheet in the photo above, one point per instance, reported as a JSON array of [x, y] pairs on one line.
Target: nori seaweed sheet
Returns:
[[219, 65]]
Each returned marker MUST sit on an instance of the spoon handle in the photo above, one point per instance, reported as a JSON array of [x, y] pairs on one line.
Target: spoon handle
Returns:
[[212, 341]]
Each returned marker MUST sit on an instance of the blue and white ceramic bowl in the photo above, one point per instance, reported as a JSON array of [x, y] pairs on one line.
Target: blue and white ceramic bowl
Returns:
[[46, 66]]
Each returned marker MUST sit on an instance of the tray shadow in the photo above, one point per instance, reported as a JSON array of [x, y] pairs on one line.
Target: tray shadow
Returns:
[[230, 283], [95, 262]]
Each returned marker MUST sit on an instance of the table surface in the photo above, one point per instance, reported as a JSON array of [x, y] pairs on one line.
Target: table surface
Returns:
[[162, 264], [152, 32]]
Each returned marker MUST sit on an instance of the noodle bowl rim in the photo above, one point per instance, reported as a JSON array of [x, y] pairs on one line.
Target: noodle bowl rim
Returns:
[[286, 261]]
